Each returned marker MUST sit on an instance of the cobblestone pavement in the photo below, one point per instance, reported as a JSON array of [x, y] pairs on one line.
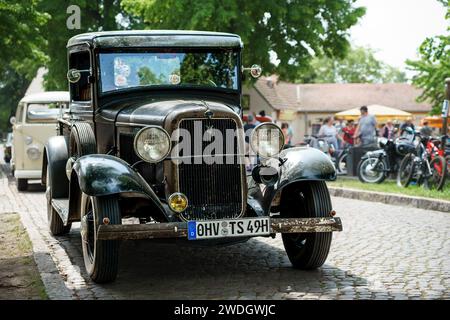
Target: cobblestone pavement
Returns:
[[384, 252]]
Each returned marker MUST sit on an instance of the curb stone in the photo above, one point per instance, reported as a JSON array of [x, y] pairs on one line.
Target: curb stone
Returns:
[[393, 199]]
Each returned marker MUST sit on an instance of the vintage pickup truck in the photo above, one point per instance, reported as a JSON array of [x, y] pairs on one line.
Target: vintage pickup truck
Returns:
[[155, 136]]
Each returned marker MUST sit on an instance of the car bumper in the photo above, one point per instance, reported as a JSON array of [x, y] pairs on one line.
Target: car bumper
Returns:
[[27, 174], [180, 229]]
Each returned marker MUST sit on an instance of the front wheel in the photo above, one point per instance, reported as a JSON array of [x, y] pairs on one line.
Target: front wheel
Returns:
[[22, 184], [406, 171], [371, 170], [341, 165], [101, 257], [309, 199], [438, 168]]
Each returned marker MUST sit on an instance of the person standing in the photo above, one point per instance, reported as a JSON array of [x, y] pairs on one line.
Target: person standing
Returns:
[[347, 134], [287, 134], [407, 124], [426, 131], [388, 131], [329, 132], [366, 129]]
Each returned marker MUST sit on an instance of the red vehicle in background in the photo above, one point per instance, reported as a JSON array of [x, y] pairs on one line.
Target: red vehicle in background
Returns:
[[258, 118]]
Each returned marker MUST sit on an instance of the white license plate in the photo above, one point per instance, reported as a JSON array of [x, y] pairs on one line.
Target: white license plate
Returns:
[[228, 228]]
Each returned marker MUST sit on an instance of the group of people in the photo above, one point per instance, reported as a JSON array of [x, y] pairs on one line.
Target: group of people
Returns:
[[365, 132], [340, 136]]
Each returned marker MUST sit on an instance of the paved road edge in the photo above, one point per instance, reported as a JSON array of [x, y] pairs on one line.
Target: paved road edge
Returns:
[[393, 199]]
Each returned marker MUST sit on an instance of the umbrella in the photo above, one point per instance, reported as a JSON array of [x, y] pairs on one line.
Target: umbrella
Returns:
[[382, 113]]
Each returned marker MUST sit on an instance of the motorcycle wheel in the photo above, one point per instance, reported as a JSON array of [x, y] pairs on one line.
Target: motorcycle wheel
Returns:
[[406, 171], [341, 164], [438, 174], [366, 172]]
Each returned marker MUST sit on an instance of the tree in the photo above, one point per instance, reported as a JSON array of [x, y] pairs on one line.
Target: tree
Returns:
[[98, 15], [21, 52], [359, 66], [433, 67], [292, 29]]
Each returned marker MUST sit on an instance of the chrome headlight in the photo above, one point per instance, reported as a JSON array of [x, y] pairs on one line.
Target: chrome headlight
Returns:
[[33, 153], [267, 140], [152, 144]]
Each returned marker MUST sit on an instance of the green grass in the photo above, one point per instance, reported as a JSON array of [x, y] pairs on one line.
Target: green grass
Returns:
[[390, 186]]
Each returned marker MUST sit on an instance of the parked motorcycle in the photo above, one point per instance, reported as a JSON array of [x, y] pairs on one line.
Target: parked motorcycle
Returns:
[[376, 166]]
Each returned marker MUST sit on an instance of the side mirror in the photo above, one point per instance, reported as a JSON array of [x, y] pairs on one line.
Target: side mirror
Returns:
[[12, 120], [255, 70], [74, 75]]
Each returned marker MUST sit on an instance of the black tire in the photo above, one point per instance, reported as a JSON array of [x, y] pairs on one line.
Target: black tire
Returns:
[[310, 199], [371, 176], [447, 159], [101, 257], [55, 223], [22, 184], [438, 174], [341, 165], [81, 140], [406, 170]]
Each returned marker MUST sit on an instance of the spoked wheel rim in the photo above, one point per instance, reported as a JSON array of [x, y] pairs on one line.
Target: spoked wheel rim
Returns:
[[371, 170], [438, 172], [405, 170], [342, 164], [88, 234]]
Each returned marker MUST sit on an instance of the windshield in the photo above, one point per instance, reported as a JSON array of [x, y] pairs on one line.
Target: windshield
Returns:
[[210, 68], [45, 112]]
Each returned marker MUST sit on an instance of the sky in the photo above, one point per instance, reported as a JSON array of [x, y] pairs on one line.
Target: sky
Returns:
[[396, 28]]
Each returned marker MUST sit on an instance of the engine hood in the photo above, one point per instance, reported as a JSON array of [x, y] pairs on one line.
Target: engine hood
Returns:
[[161, 112]]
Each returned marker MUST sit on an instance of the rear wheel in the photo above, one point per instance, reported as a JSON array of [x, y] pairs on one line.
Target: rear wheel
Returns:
[[101, 257], [309, 199], [22, 184], [371, 170], [438, 168], [342, 163], [406, 171]]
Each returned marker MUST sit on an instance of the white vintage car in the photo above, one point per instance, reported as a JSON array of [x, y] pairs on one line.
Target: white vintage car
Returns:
[[35, 122]]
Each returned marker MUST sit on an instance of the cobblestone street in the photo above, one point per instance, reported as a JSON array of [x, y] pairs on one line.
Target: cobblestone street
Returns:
[[384, 252]]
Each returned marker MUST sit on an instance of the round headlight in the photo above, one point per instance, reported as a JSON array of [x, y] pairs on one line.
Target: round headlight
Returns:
[[267, 140], [33, 153], [152, 144]]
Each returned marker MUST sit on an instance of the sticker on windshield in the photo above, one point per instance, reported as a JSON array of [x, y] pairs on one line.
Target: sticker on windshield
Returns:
[[121, 72], [174, 79]]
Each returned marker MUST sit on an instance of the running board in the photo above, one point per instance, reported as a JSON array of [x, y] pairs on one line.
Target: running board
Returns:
[[179, 229], [62, 207]]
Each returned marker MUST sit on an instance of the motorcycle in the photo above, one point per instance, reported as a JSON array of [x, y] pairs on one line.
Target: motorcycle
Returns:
[[376, 166]]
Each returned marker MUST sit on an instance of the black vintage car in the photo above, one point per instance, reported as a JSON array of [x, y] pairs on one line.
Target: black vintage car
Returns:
[[147, 142]]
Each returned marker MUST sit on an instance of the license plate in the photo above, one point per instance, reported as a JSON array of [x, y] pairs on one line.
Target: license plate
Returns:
[[228, 228]]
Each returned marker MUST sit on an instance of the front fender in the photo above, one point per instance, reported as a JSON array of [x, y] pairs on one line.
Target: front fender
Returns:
[[102, 175], [300, 164], [373, 154]]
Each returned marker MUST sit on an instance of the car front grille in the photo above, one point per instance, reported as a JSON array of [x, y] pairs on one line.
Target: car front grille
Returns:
[[214, 191]]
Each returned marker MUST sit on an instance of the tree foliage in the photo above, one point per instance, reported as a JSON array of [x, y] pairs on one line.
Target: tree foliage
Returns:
[[292, 29], [21, 52], [95, 16], [359, 66], [433, 67]]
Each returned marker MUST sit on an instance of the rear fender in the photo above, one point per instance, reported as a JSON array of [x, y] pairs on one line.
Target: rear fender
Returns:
[[55, 156]]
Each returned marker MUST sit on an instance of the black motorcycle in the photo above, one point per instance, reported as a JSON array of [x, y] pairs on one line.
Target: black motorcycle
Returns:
[[376, 166]]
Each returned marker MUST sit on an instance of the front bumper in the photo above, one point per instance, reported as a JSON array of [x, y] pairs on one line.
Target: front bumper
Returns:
[[179, 229]]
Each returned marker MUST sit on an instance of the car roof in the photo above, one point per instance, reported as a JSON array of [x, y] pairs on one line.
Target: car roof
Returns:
[[46, 97], [156, 38]]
